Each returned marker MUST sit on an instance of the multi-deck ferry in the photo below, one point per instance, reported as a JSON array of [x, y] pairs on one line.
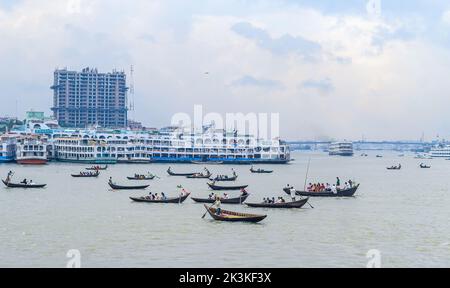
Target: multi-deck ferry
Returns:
[[31, 150], [440, 151], [168, 145], [341, 148]]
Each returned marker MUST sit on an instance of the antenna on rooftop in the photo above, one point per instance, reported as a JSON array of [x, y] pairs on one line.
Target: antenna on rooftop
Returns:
[[131, 100]]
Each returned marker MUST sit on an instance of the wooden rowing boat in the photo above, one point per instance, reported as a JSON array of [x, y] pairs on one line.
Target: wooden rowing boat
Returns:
[[86, 175], [24, 186], [199, 176], [260, 171], [97, 168], [142, 178], [224, 178], [179, 174], [237, 200], [230, 216], [217, 187], [340, 193], [285, 205], [120, 187], [174, 200]]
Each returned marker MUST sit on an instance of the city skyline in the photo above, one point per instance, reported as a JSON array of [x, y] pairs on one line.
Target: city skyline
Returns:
[[332, 70]]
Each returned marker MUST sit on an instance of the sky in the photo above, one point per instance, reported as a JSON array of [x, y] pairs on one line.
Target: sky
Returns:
[[371, 69]]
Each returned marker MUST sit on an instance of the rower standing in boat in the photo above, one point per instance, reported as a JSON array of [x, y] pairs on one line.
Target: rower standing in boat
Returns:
[[217, 205], [338, 182], [292, 190], [8, 178]]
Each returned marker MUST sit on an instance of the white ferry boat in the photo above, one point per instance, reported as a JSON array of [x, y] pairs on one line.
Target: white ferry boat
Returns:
[[440, 151], [169, 145], [7, 148], [31, 150], [341, 148]]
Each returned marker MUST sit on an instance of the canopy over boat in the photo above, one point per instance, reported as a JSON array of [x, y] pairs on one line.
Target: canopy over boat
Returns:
[[173, 200], [294, 204], [217, 187], [237, 200], [21, 185], [230, 216], [340, 193]]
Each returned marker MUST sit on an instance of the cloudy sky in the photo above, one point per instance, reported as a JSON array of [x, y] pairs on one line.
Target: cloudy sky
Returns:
[[339, 69]]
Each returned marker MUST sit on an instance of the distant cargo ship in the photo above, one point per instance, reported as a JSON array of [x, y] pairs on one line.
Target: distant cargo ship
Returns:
[[341, 149]]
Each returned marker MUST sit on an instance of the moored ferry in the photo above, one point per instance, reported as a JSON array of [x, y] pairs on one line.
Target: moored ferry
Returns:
[[31, 150], [169, 145], [7, 148], [440, 151], [341, 148]]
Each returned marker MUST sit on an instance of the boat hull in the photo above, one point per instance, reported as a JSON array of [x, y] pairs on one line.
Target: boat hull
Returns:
[[177, 200], [342, 193], [286, 205], [238, 200], [23, 186], [119, 187], [229, 216], [225, 188], [31, 161]]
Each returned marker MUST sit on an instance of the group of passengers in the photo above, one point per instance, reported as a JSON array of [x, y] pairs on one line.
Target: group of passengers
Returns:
[[225, 177], [273, 201], [156, 196], [89, 173], [321, 187]]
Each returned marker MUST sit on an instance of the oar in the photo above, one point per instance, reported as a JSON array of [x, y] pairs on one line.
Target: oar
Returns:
[[309, 204], [204, 215]]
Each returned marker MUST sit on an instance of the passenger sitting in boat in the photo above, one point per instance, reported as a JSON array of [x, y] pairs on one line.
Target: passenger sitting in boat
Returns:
[[280, 200], [163, 196], [310, 187], [244, 192], [334, 189], [210, 196], [265, 200], [110, 180], [350, 183], [157, 197], [24, 181], [225, 196], [31, 182], [328, 187]]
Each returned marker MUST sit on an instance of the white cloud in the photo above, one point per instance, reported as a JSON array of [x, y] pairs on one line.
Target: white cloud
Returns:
[[372, 73], [446, 17]]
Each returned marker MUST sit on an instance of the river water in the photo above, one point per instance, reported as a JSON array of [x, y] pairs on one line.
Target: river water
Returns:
[[403, 214]]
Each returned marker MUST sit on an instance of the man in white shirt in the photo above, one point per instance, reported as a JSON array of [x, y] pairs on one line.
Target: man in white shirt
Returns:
[[292, 190]]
